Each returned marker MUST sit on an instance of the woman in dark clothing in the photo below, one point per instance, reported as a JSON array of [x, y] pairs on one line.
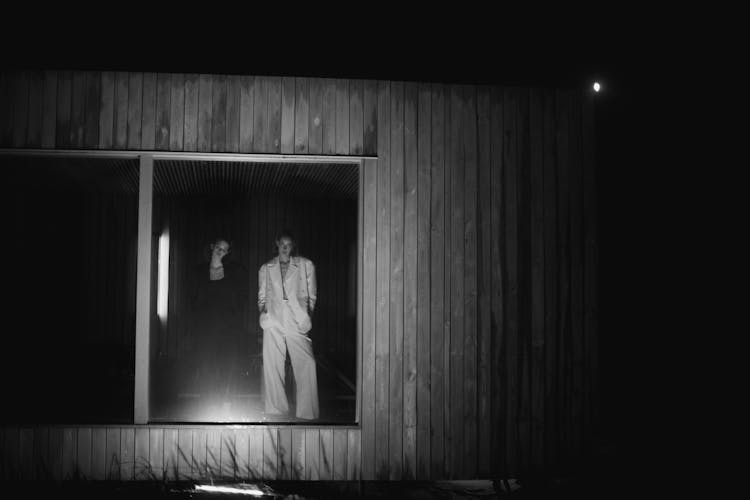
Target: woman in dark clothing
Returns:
[[219, 307]]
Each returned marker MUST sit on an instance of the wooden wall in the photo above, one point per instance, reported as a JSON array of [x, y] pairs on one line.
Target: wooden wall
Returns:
[[180, 452], [187, 112], [479, 253]]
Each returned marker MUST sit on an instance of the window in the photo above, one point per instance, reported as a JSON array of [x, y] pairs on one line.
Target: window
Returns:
[[70, 246], [207, 362], [76, 287]]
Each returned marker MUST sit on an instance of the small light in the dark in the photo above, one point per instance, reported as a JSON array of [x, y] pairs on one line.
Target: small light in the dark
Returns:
[[597, 87]]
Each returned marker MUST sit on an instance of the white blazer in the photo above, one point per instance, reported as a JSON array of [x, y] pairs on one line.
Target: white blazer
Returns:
[[301, 292]]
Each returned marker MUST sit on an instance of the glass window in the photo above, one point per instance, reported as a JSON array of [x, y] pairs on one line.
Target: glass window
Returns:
[[245, 329], [70, 227]]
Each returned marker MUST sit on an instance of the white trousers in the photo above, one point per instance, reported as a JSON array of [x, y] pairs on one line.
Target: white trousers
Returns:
[[277, 339]]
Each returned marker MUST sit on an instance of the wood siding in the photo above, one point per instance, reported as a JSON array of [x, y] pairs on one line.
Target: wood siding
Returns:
[[478, 264]]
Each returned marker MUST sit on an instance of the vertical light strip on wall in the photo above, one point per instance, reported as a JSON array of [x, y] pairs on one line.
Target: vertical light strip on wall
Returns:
[[163, 293]]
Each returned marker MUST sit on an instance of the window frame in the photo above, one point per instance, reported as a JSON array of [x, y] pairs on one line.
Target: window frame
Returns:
[[141, 410]]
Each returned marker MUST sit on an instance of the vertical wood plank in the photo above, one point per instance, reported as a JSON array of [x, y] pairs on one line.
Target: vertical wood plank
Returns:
[[354, 443], [356, 117], [21, 107], [524, 279], [26, 453], [135, 110], [447, 290], [342, 117], [233, 114], [301, 115], [50, 109], [69, 453], [471, 189], [396, 343], [120, 134], [274, 115], [247, 101], [99, 453], [287, 114], [370, 118], [340, 458], [456, 169], [228, 466], [329, 116], [484, 284], [563, 232], [113, 454], [260, 113], [148, 112], [383, 268], [171, 454], [437, 282], [255, 453], [163, 110], [410, 263], [242, 447], [510, 161], [285, 453], [177, 106], [33, 134], [590, 270], [326, 454], [312, 454], [91, 106], [156, 454], [190, 126], [423, 282], [497, 282], [298, 454], [41, 459], [107, 110], [184, 454], [142, 464], [315, 125], [55, 453], [576, 277], [270, 447], [77, 109], [134, 99], [551, 387], [218, 113], [205, 109], [370, 301], [83, 452], [213, 453], [62, 123], [199, 456], [536, 133], [127, 454]]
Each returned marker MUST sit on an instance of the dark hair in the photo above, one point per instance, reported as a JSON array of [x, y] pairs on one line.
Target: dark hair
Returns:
[[214, 241], [285, 233]]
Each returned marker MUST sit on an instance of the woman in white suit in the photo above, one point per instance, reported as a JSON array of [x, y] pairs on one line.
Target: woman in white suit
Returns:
[[287, 291]]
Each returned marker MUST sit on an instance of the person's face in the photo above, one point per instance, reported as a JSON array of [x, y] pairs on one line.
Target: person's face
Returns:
[[219, 250], [285, 246]]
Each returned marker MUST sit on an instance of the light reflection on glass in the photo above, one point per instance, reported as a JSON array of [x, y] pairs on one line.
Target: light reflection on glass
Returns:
[[163, 293]]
